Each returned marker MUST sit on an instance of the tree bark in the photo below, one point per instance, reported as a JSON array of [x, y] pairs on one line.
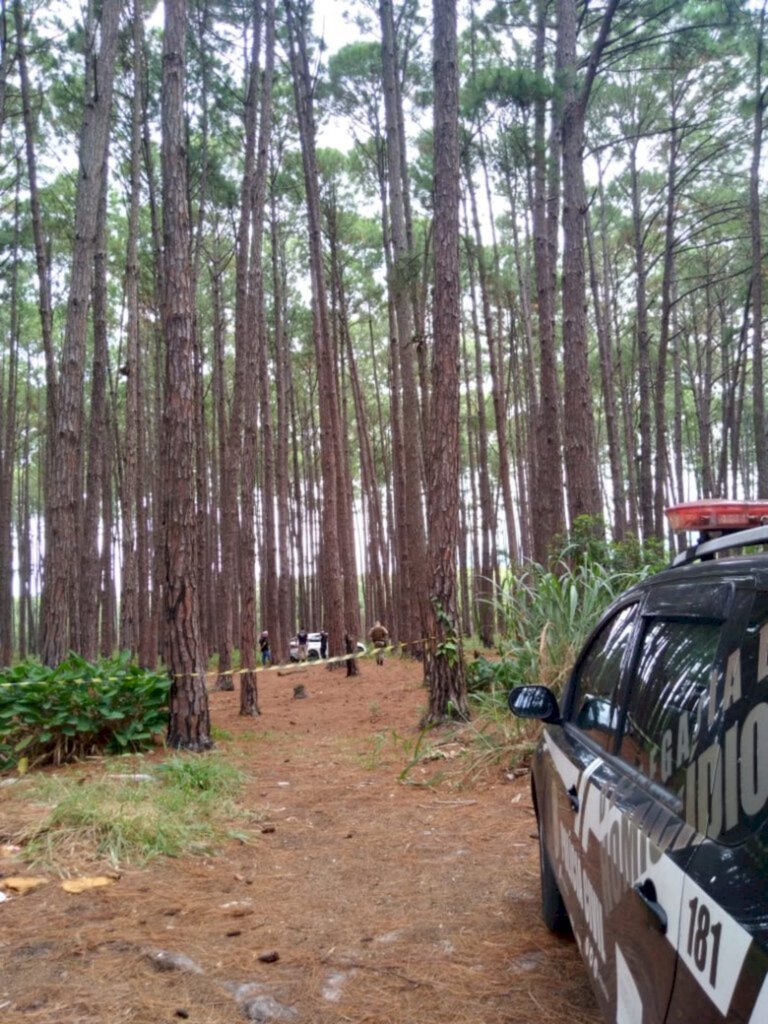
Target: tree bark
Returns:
[[333, 583], [547, 504], [92, 562], [9, 444], [579, 441], [189, 726], [758, 394], [255, 367], [231, 441], [130, 619], [61, 628], [645, 472], [444, 663], [410, 577]]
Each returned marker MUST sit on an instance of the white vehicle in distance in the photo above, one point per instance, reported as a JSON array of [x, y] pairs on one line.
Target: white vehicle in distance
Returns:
[[313, 647]]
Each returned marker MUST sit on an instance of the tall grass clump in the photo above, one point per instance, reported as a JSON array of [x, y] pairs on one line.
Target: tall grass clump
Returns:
[[546, 613]]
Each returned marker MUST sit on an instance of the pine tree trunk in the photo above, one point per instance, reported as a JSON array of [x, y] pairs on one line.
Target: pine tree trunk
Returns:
[[107, 593], [483, 570], [62, 625], [189, 726], [667, 291], [130, 619], [410, 574], [282, 385], [758, 269], [444, 664], [547, 505], [9, 377], [645, 473], [602, 325], [332, 581], [580, 452], [24, 532], [255, 368], [91, 559]]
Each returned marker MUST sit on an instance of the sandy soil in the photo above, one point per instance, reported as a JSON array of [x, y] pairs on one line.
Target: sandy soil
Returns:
[[356, 897]]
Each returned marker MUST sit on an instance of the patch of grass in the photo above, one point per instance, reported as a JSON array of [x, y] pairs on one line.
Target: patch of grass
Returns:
[[492, 740], [374, 756], [181, 807], [390, 743]]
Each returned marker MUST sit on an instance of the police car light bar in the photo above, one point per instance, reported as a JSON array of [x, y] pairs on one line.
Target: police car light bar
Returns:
[[717, 516]]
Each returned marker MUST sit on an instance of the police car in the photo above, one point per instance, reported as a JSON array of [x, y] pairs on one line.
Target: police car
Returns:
[[650, 785]]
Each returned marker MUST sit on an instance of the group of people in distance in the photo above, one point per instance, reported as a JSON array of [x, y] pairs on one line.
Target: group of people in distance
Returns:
[[378, 635]]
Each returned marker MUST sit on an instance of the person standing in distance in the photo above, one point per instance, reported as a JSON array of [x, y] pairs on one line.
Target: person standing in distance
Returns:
[[302, 639], [378, 636], [266, 654]]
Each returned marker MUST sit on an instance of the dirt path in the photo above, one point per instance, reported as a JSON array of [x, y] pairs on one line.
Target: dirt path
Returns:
[[357, 899]]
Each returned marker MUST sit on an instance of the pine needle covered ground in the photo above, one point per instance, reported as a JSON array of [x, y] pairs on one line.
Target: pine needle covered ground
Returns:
[[333, 886]]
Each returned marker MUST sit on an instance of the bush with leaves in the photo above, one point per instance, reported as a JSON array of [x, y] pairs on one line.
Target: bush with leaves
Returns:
[[51, 716], [586, 544], [483, 675]]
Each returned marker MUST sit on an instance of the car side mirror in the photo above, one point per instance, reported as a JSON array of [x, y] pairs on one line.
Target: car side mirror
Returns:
[[534, 702]]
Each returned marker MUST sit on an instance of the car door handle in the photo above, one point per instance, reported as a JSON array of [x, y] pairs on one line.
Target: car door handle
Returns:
[[646, 890], [573, 798]]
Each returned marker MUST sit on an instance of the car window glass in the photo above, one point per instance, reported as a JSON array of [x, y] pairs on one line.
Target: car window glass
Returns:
[[593, 704], [667, 694]]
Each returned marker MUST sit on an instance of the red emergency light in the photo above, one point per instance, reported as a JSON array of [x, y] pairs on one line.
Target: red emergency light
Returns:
[[717, 516]]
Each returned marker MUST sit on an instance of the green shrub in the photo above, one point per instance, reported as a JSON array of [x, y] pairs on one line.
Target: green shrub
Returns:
[[51, 716], [483, 676], [586, 545]]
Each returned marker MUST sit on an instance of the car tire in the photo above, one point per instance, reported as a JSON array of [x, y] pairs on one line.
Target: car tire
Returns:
[[553, 910], [313, 655]]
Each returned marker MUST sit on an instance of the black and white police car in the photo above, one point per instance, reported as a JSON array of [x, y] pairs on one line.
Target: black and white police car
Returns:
[[650, 785]]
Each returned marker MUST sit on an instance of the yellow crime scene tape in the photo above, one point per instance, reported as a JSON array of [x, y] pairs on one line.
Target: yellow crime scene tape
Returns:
[[261, 668], [312, 661]]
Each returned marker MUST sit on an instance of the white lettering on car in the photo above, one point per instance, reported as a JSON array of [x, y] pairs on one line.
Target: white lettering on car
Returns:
[[584, 891], [715, 799]]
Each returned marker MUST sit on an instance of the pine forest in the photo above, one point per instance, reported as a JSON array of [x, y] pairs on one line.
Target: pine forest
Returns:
[[321, 313]]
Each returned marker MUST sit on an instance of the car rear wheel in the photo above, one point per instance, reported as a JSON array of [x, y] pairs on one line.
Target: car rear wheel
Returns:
[[552, 907]]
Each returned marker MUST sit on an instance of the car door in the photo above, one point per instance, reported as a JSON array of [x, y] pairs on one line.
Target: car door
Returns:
[[570, 767], [723, 941], [640, 825]]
